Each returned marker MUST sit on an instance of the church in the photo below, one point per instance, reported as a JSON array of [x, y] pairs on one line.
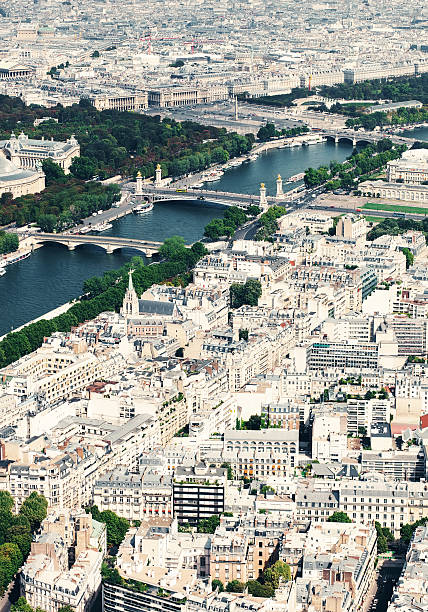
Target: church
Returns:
[[135, 310]]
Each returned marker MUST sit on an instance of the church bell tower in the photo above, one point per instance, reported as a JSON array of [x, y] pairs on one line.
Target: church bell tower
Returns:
[[130, 306]]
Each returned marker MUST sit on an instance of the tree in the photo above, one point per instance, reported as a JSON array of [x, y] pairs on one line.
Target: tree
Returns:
[[229, 470], [217, 584], [34, 509], [266, 132], [254, 422], [21, 606], [339, 517], [173, 248], [382, 544], [235, 586], [407, 530], [249, 293], [83, 168], [53, 172], [9, 242], [6, 501], [116, 525], [409, 256], [243, 334], [95, 54], [66, 608], [277, 571], [256, 589], [47, 223], [214, 229], [209, 525]]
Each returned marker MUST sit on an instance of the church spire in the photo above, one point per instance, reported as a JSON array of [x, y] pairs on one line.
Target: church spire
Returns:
[[130, 284], [130, 306]]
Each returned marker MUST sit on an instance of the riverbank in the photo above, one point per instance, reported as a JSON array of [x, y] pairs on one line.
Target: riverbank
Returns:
[[46, 316]]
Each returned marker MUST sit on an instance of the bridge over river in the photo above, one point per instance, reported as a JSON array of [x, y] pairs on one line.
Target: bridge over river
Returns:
[[109, 243]]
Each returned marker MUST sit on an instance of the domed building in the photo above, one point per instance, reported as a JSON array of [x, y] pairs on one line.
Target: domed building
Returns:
[[18, 181]]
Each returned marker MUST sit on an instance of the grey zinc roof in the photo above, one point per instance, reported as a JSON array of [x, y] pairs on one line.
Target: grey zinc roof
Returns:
[[156, 307]]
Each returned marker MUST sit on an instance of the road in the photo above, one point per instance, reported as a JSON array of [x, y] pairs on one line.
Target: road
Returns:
[[387, 576]]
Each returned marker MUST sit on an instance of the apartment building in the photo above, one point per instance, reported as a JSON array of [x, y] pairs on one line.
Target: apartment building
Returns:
[[322, 355], [54, 373], [351, 227], [47, 581], [198, 492], [392, 504], [134, 496], [363, 413], [258, 454], [65, 479], [338, 564], [411, 168], [397, 465], [410, 592], [285, 415]]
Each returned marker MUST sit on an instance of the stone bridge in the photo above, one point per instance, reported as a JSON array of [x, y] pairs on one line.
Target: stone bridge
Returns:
[[109, 243], [356, 137]]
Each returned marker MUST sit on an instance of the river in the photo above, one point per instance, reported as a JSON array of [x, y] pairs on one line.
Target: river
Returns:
[[53, 275]]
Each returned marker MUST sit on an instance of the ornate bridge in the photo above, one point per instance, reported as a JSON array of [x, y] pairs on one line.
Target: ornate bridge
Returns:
[[242, 200], [109, 243]]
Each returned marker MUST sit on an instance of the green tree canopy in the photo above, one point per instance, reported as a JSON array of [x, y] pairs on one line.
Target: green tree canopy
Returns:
[[248, 293], [34, 509], [235, 586], [339, 517], [53, 172], [217, 584]]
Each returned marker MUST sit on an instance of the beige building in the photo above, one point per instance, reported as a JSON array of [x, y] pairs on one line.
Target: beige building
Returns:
[[411, 168], [351, 227], [395, 191], [17, 181], [182, 96], [125, 102], [47, 580], [28, 153]]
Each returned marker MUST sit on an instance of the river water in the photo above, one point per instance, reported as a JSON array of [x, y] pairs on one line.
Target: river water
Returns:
[[53, 275]]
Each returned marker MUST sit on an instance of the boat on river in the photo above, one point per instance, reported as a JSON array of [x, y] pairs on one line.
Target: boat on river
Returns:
[[12, 258], [143, 208]]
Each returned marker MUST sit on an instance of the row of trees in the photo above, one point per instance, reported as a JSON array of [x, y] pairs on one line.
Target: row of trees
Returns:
[[16, 532], [395, 227], [358, 166], [104, 294], [279, 100], [395, 89], [269, 131], [401, 116], [264, 586], [9, 242], [269, 222], [227, 226], [60, 205]]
